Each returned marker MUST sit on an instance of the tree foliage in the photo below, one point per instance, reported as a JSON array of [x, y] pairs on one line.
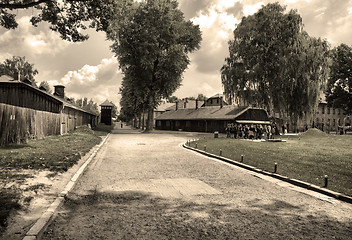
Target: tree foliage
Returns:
[[172, 99], [46, 86], [275, 64], [19, 65], [201, 97], [339, 88], [88, 105], [67, 17], [152, 40]]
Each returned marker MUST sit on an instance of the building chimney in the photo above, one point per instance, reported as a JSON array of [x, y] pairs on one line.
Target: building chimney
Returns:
[[176, 106], [221, 102], [197, 103], [59, 91], [185, 103], [17, 76]]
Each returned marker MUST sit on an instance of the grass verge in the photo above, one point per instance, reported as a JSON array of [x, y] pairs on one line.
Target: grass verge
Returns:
[[307, 157], [54, 153]]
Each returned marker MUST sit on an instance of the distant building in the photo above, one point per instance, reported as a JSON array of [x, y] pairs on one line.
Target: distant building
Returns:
[[216, 100], [29, 112], [327, 118]]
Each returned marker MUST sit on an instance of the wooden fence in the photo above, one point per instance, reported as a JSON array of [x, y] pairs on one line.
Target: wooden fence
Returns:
[[17, 124]]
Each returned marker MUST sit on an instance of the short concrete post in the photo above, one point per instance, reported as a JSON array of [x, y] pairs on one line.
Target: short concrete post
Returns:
[[326, 181], [275, 168], [205, 147], [196, 145], [241, 158], [220, 152]]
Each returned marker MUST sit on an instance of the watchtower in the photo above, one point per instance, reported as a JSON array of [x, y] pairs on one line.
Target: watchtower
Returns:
[[106, 112]]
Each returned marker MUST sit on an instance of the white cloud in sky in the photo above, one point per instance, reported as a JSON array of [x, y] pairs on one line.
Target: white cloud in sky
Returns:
[[196, 82], [350, 10], [98, 82], [222, 5], [28, 41], [251, 9]]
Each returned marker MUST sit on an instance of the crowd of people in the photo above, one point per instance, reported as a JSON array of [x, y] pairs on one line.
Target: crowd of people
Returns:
[[253, 131]]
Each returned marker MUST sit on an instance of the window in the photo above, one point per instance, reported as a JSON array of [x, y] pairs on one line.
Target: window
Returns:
[[334, 111], [333, 122], [322, 110], [328, 110]]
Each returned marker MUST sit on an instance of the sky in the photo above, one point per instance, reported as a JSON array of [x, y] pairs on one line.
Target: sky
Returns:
[[89, 69]]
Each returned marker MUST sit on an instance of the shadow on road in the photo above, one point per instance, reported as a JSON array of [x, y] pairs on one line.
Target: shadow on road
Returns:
[[137, 215]]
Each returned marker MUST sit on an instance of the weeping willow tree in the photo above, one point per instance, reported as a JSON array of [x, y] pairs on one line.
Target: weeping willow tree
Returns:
[[275, 64]]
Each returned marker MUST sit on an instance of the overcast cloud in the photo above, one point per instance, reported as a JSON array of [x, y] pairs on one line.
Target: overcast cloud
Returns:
[[89, 69]]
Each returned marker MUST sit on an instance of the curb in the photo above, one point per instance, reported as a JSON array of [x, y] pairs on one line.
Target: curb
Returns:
[[293, 181], [43, 222]]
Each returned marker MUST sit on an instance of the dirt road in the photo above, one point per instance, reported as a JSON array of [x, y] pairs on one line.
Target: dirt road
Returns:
[[146, 186]]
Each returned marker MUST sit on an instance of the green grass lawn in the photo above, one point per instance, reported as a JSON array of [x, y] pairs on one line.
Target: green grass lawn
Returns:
[[307, 157], [54, 153]]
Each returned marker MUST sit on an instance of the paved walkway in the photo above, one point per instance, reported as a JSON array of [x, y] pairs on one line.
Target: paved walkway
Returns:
[[146, 186]]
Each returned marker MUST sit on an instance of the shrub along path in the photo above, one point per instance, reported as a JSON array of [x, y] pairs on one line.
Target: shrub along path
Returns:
[[307, 157], [146, 186], [28, 171]]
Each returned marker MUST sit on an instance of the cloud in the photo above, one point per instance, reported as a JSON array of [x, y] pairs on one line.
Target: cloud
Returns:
[[190, 8], [29, 41], [217, 26], [251, 9], [196, 82], [328, 19], [98, 82]]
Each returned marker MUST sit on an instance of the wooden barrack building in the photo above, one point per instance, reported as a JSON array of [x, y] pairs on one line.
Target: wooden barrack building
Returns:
[[27, 112], [211, 118]]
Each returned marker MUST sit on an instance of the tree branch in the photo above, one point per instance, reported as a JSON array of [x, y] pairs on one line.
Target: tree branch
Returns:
[[30, 4], [22, 5]]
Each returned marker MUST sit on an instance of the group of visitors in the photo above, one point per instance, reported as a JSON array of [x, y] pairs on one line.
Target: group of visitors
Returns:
[[253, 131]]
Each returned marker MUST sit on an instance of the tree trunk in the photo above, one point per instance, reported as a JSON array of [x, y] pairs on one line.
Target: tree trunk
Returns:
[[150, 119], [140, 121], [143, 120]]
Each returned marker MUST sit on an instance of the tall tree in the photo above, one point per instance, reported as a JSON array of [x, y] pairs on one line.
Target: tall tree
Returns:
[[152, 42], [67, 17], [275, 64], [19, 65], [339, 88]]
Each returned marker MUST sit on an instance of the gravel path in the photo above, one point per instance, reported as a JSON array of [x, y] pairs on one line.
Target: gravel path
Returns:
[[146, 186]]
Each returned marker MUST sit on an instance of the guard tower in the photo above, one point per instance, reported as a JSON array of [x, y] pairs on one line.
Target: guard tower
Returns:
[[106, 112]]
